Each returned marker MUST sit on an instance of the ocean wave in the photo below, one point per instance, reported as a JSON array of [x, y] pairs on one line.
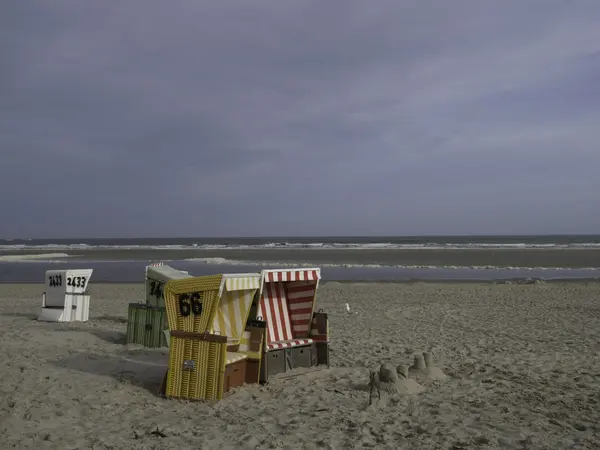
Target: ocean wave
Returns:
[[46, 257], [307, 246], [225, 261]]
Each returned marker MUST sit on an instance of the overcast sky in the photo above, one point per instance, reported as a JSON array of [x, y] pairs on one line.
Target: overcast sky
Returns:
[[270, 117]]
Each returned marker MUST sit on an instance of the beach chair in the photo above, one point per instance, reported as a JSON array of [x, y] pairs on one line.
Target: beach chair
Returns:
[[146, 325], [199, 309], [244, 357], [147, 285], [146, 322], [295, 336], [197, 358], [157, 275], [65, 298]]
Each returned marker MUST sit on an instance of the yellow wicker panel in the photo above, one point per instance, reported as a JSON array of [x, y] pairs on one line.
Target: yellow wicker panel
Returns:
[[196, 369], [206, 288]]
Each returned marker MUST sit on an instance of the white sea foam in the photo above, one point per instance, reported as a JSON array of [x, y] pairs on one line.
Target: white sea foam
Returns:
[[239, 262], [308, 246], [44, 257]]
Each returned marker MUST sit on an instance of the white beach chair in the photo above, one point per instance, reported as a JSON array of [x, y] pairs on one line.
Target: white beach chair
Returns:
[[157, 275], [65, 298]]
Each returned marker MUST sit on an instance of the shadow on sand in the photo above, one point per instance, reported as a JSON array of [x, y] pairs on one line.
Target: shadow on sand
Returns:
[[32, 316], [144, 369], [108, 318], [110, 336]]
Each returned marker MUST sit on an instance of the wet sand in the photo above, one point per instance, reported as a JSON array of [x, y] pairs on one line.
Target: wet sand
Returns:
[[559, 258], [522, 362]]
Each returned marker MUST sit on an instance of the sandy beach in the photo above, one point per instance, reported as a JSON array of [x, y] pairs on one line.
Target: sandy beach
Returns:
[[522, 362]]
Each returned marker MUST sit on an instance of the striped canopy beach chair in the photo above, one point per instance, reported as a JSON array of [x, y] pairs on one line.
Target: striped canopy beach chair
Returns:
[[210, 352], [295, 336], [236, 294]]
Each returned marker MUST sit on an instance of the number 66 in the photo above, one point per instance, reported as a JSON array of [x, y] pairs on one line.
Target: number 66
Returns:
[[190, 304]]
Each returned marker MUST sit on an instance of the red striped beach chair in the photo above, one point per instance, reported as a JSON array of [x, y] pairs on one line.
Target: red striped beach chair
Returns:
[[295, 336]]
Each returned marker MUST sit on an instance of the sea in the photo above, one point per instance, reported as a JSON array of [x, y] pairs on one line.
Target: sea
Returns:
[[374, 258]]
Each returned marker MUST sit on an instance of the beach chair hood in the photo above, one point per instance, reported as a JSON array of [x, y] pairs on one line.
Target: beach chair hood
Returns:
[[235, 300], [287, 301]]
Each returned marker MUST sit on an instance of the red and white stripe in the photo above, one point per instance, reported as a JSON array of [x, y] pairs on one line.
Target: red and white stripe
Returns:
[[288, 344], [158, 264], [274, 276], [273, 308], [301, 299]]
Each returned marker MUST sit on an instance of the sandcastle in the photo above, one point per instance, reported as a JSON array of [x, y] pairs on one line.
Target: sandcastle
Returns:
[[424, 367], [398, 381]]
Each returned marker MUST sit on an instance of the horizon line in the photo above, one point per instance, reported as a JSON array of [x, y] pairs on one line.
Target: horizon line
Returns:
[[477, 235]]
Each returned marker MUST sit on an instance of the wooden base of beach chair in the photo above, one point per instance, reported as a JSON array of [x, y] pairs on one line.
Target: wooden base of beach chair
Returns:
[[145, 325], [248, 369], [305, 356], [275, 362], [286, 359], [235, 376]]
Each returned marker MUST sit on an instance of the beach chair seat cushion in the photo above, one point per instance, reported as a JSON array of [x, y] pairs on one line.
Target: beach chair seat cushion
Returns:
[[233, 357], [288, 344]]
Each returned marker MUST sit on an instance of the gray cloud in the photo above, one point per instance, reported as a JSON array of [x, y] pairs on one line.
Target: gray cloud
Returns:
[[307, 118]]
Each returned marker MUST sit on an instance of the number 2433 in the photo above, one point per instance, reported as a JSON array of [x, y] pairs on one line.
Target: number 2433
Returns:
[[57, 281]]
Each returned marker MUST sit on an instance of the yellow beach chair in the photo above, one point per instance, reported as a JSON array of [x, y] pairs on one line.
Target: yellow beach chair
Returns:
[[206, 317], [196, 358]]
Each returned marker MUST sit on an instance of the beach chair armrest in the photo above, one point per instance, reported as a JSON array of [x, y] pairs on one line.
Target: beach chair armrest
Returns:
[[200, 336], [320, 327], [256, 339]]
